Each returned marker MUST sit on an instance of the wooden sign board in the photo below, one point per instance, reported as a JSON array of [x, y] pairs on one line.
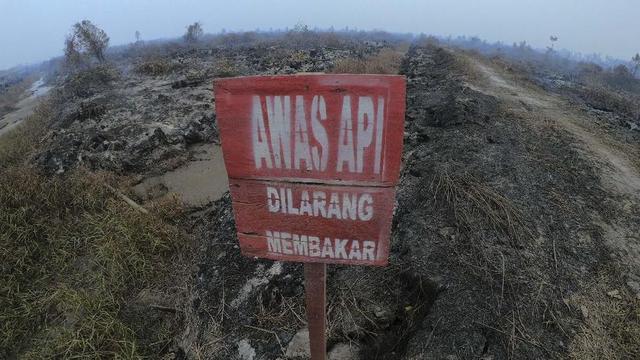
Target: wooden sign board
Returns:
[[313, 161]]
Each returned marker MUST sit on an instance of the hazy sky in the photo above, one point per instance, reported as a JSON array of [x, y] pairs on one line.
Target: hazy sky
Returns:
[[34, 30]]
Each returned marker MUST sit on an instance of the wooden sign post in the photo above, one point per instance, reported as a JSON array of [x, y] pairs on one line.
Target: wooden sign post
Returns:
[[315, 283], [313, 161]]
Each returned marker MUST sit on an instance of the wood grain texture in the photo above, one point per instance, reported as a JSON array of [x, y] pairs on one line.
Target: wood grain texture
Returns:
[[315, 283], [240, 101], [233, 110], [253, 219]]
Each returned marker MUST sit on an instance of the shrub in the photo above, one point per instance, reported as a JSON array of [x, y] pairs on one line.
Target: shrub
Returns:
[[605, 99], [349, 66], [90, 81], [85, 39], [154, 67], [589, 69], [225, 68], [621, 71]]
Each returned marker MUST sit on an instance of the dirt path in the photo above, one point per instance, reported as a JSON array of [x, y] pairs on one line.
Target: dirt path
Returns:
[[618, 173], [610, 157], [24, 107]]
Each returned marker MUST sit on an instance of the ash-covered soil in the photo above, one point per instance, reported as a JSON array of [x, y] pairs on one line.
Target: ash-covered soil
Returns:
[[141, 113], [501, 246], [511, 238]]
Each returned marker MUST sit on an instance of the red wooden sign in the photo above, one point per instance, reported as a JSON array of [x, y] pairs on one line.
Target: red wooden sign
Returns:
[[312, 163]]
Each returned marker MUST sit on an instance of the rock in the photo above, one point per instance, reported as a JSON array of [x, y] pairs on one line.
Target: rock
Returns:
[[635, 287], [584, 311], [245, 350], [614, 294], [299, 345], [627, 206], [383, 315], [379, 312], [260, 279], [447, 232], [344, 351]]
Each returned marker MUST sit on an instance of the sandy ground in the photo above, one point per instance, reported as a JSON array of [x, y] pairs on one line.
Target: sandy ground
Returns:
[[25, 106], [198, 182]]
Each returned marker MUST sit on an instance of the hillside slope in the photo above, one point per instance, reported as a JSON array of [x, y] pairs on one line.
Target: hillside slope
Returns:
[[515, 234]]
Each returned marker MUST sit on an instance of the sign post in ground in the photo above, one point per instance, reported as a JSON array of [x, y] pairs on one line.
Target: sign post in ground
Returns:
[[313, 161], [315, 283]]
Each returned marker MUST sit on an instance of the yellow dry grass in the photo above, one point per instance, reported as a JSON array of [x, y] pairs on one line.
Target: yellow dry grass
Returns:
[[75, 258], [611, 323], [387, 61]]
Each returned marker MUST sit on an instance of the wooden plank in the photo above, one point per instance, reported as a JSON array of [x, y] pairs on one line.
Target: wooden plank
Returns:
[[256, 246], [291, 127], [351, 217], [313, 161]]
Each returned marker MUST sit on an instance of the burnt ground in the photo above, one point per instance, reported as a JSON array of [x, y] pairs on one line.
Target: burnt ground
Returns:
[[514, 237], [141, 113], [502, 243]]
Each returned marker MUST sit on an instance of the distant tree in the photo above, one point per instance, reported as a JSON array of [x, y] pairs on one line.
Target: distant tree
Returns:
[[300, 27], [137, 36], [621, 72], [72, 55], [300, 36], [194, 32], [85, 39], [589, 69], [636, 63], [551, 49]]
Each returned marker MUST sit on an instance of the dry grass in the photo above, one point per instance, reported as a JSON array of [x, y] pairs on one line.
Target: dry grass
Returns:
[[91, 81], [224, 67], [11, 96], [73, 256], [16, 145], [155, 67], [611, 323], [602, 98], [387, 61], [350, 315], [466, 66], [475, 204], [75, 259]]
